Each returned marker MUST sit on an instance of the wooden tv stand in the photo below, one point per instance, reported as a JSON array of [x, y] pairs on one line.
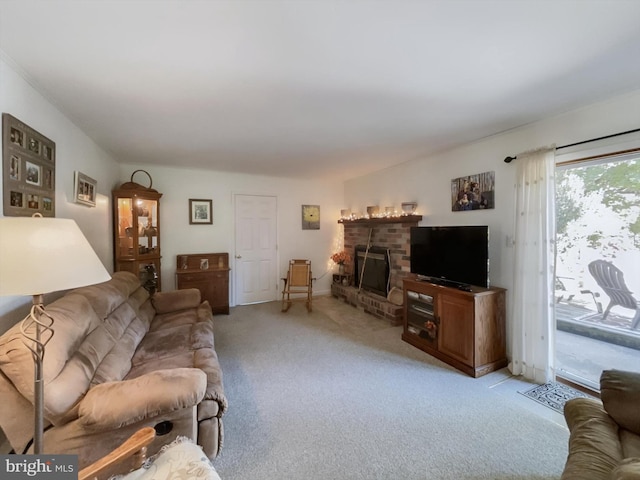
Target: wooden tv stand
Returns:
[[465, 329]]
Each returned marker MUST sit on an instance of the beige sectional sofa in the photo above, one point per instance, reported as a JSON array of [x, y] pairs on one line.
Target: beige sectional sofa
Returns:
[[118, 361], [605, 435]]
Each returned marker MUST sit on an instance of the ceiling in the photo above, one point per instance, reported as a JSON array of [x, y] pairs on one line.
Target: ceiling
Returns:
[[315, 89]]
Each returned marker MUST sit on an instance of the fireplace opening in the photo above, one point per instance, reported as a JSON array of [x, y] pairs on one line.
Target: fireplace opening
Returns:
[[373, 273]]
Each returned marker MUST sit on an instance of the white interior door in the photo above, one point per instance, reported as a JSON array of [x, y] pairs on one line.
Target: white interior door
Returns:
[[255, 249]]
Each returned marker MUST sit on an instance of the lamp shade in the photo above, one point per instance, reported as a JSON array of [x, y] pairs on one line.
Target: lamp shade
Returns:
[[41, 255]]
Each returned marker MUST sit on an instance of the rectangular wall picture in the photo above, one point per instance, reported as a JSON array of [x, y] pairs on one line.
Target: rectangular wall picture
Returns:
[[311, 217], [200, 211], [473, 192], [84, 189], [28, 170]]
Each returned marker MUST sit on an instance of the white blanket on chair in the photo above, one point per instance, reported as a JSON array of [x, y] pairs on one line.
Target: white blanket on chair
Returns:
[[180, 460]]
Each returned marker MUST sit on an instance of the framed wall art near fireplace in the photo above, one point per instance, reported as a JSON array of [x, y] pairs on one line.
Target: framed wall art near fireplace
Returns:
[[28, 170], [310, 217]]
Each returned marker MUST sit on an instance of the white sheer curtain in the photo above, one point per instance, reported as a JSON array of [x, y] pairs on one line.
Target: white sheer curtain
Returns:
[[532, 306]]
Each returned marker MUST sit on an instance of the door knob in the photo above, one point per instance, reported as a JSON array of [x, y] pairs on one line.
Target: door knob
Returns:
[[238, 256]]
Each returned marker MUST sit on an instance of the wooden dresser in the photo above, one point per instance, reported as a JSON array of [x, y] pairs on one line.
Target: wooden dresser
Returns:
[[209, 273]]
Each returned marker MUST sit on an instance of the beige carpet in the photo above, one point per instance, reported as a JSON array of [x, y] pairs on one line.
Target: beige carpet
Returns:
[[336, 394]]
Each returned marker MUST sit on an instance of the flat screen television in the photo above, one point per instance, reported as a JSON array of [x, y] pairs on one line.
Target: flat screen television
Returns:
[[452, 255]]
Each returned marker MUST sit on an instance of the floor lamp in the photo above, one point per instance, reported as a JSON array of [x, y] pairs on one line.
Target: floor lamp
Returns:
[[37, 256]]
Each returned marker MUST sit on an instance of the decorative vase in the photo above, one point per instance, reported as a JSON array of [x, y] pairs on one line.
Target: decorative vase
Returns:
[[341, 268], [408, 208]]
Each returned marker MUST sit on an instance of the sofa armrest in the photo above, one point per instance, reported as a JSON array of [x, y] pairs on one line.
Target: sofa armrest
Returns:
[[115, 404], [579, 410], [629, 469], [594, 443], [165, 302]]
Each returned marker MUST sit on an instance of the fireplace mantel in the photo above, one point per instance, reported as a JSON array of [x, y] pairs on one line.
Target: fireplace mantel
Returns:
[[383, 220]]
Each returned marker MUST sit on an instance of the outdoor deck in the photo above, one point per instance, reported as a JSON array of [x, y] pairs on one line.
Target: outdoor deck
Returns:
[[585, 345]]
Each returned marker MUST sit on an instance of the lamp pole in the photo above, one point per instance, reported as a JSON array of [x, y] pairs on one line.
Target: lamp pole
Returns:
[[35, 341]]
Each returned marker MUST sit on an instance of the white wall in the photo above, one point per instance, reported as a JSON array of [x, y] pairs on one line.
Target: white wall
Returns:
[[178, 185], [74, 151], [425, 180], [428, 180]]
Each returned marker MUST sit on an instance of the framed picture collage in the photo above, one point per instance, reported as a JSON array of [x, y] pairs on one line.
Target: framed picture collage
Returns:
[[28, 167]]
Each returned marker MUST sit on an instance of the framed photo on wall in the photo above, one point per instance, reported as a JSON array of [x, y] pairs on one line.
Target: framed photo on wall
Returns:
[[28, 170], [473, 192], [200, 212], [84, 189]]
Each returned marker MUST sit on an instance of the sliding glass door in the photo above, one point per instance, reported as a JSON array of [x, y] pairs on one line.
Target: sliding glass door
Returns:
[[597, 267]]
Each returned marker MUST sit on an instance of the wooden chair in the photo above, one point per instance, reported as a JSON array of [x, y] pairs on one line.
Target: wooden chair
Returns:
[[128, 456], [611, 280], [298, 280], [178, 460]]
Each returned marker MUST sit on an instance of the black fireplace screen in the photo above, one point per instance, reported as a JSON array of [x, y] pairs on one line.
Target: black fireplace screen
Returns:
[[372, 274]]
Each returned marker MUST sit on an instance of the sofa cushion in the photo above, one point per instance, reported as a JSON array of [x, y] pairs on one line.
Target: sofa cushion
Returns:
[[171, 341], [165, 302], [629, 469], [182, 317], [147, 396], [104, 297], [74, 320], [620, 393]]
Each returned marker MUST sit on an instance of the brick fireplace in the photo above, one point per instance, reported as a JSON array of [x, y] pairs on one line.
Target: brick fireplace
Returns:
[[391, 233]]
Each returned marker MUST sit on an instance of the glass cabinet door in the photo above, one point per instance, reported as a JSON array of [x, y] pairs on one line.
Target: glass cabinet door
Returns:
[[126, 230], [147, 216]]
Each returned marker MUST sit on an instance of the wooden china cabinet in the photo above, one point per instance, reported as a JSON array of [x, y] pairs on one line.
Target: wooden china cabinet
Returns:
[[136, 216]]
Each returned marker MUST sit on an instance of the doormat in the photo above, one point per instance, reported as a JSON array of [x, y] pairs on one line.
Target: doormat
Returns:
[[553, 395]]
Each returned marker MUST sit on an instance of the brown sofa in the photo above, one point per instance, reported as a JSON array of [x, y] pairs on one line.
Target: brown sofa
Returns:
[[118, 361], [605, 435]]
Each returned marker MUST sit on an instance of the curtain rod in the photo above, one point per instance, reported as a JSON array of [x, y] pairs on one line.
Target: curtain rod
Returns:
[[510, 159]]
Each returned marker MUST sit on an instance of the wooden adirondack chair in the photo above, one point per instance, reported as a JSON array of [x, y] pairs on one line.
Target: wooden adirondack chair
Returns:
[[611, 280]]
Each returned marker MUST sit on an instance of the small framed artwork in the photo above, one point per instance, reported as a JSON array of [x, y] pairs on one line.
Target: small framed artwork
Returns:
[[15, 166], [28, 168], [473, 192], [84, 189], [33, 174], [200, 212], [311, 217]]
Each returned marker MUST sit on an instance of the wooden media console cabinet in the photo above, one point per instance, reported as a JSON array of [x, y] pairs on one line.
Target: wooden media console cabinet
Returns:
[[465, 329]]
